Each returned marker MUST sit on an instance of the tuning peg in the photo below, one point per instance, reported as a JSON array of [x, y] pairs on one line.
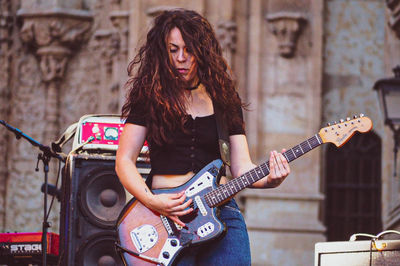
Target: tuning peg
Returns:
[[341, 120], [361, 115], [355, 117], [348, 119]]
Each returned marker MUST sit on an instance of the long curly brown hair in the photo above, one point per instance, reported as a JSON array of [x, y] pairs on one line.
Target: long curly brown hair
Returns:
[[155, 86]]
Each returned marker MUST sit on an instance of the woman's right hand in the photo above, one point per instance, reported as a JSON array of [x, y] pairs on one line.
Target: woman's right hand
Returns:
[[171, 205]]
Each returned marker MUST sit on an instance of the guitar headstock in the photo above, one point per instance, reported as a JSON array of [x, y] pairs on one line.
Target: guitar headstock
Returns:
[[340, 133]]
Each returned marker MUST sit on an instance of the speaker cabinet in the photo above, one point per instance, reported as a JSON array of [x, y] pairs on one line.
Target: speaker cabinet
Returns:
[[357, 253], [92, 199]]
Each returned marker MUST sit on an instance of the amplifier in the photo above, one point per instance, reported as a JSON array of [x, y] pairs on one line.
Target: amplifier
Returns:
[[23, 248], [105, 131], [358, 253]]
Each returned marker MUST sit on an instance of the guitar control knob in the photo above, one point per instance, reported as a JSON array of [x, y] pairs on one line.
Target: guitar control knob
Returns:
[[361, 115], [355, 117], [348, 119], [174, 243], [341, 120], [165, 255], [335, 122], [328, 124]]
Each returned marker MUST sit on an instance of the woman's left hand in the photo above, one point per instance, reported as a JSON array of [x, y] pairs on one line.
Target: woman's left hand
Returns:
[[279, 169]]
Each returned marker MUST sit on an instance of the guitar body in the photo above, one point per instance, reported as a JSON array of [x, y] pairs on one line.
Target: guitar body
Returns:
[[143, 231]]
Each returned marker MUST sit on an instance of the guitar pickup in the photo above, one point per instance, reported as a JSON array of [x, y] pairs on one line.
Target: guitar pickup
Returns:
[[200, 205], [203, 182]]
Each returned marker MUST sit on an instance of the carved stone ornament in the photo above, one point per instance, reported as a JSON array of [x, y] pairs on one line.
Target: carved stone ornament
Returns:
[[226, 34], [286, 27], [394, 18], [120, 21], [5, 21], [108, 43], [54, 34]]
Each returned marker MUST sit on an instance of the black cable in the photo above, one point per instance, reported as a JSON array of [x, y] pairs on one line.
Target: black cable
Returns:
[[54, 196]]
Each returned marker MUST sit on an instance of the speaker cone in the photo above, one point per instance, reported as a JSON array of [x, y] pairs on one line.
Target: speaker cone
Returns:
[[102, 197], [99, 250]]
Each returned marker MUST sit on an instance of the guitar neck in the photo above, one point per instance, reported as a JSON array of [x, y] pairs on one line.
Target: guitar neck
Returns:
[[224, 192]]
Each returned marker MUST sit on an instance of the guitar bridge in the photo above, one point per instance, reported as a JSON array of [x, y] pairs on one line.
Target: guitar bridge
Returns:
[[144, 237]]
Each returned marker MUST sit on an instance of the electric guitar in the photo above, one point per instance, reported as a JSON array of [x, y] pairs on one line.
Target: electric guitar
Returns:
[[148, 238]]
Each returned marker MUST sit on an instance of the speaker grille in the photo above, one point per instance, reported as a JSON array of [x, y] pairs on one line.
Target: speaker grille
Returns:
[[92, 200], [99, 250], [101, 197]]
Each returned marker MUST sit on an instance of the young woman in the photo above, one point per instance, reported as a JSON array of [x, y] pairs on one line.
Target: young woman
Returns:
[[177, 78]]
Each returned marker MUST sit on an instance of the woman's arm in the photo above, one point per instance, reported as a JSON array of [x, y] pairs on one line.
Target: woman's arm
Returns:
[[130, 145], [241, 163]]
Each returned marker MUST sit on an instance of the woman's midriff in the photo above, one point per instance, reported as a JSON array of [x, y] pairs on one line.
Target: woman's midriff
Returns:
[[170, 181]]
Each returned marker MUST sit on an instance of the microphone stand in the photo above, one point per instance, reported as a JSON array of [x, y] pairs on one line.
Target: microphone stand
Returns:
[[45, 157]]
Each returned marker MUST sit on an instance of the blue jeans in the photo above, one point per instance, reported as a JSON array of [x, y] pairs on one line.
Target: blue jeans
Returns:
[[232, 249]]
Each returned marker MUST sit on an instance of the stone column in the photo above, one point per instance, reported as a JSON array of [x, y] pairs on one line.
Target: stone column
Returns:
[[120, 21], [284, 77], [5, 73], [50, 35]]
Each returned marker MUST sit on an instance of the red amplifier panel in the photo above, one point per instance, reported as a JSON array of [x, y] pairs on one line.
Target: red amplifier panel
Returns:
[[27, 244], [103, 130], [103, 133]]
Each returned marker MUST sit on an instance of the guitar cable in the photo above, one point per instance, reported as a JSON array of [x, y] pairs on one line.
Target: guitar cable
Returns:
[[133, 253]]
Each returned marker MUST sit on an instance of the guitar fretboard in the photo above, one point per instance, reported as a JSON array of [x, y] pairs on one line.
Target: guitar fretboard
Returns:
[[226, 191]]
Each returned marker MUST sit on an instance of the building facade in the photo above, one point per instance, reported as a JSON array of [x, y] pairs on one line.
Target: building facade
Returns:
[[298, 64]]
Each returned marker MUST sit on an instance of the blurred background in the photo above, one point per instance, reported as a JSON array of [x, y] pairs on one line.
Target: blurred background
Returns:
[[299, 64]]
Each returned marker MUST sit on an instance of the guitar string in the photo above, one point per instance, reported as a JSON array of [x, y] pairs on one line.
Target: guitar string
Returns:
[[234, 184], [300, 150]]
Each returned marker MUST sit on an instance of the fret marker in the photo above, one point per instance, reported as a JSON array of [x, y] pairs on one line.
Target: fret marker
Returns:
[[301, 149]]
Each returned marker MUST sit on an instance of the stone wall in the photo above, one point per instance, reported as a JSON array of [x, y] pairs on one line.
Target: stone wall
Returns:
[[297, 64], [361, 47], [6, 25], [391, 58]]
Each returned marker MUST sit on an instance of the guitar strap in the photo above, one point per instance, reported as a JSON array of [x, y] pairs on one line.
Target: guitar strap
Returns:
[[223, 135]]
